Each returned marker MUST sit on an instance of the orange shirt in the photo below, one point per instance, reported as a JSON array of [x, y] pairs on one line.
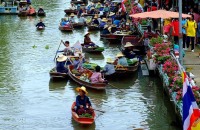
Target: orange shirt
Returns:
[[31, 11]]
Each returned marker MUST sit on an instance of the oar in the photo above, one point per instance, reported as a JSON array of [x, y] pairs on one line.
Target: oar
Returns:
[[57, 50], [114, 87]]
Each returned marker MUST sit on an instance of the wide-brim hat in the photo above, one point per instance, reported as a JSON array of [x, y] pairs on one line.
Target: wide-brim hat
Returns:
[[128, 44], [92, 8], [104, 20], [119, 55], [109, 60], [86, 33], [82, 88], [111, 14], [72, 14], [113, 25], [61, 58]]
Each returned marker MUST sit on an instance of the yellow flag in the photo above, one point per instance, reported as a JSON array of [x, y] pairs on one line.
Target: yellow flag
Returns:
[[196, 125]]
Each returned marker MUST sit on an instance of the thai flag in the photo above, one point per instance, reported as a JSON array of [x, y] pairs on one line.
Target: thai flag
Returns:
[[190, 108], [123, 6]]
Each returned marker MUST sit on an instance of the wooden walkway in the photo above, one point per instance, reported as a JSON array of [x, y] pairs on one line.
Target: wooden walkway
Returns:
[[191, 62]]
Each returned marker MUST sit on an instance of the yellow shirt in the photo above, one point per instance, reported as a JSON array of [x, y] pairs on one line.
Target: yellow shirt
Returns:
[[196, 125], [191, 28], [167, 21], [141, 2]]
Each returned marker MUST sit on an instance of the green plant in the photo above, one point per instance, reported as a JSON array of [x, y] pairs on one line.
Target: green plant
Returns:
[[158, 40]]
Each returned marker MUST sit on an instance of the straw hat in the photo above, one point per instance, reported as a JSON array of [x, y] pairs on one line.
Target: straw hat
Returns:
[[96, 16], [109, 60], [104, 20], [92, 8], [111, 14], [61, 58], [128, 44], [119, 55], [98, 3], [86, 33], [106, 26], [82, 88], [72, 14]]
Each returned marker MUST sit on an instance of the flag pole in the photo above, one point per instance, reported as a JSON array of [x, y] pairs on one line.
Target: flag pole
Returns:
[[180, 34]]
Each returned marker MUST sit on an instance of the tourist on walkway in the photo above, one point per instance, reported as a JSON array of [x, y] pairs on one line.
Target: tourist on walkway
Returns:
[[191, 26]]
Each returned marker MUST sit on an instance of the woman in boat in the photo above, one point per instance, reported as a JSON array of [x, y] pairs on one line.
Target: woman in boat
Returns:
[[78, 61], [102, 23], [72, 19], [83, 104], [31, 10], [121, 60], [92, 10], [97, 76], [95, 20], [105, 30], [128, 51], [109, 68], [60, 65], [64, 22], [81, 19], [40, 24], [87, 40]]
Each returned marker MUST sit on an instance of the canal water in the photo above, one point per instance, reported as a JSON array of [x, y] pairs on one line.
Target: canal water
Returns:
[[29, 100]]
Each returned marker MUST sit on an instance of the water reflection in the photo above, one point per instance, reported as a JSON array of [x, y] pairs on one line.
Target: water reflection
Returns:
[[56, 84]]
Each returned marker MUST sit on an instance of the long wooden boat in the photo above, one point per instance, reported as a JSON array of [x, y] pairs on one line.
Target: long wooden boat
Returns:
[[78, 25], [65, 28], [69, 11], [134, 41], [98, 86], [81, 120], [41, 14], [56, 75], [96, 49], [40, 28], [92, 28]]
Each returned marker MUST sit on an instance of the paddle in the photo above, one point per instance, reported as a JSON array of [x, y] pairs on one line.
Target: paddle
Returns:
[[114, 87], [58, 49]]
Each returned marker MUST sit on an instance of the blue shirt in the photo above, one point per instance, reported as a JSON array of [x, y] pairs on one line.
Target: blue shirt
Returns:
[[40, 24], [106, 9], [102, 24], [83, 101], [183, 24], [60, 67], [105, 31], [122, 61], [109, 69], [63, 23]]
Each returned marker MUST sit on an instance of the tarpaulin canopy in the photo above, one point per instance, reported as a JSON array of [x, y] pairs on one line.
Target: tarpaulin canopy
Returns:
[[158, 14]]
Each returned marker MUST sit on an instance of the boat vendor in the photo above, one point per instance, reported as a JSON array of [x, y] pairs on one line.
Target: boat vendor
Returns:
[[40, 10], [102, 23], [97, 76], [121, 60], [87, 40], [78, 61], [31, 10], [73, 7], [92, 10], [68, 50], [83, 104], [72, 19], [60, 64], [109, 68], [40, 24], [105, 30], [147, 36], [117, 21], [81, 19], [128, 51], [95, 20], [112, 16], [64, 22]]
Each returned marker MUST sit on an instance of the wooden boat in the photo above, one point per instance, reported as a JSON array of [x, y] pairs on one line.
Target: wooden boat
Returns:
[[98, 86], [69, 11], [66, 28], [82, 120], [96, 49], [40, 28], [134, 41], [34, 14], [92, 28], [78, 25], [41, 14], [56, 75], [22, 13], [77, 2]]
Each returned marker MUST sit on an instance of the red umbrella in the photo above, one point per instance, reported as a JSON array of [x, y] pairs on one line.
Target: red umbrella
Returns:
[[159, 14]]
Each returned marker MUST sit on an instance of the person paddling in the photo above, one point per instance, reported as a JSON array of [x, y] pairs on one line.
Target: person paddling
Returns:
[[87, 40], [83, 104], [40, 24]]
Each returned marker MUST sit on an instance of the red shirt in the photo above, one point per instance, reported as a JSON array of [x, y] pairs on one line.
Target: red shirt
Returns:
[[175, 25]]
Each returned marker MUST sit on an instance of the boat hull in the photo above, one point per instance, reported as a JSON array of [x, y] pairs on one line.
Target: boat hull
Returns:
[[70, 29]]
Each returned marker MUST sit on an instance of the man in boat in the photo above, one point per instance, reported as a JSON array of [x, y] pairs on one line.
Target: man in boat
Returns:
[[83, 104], [68, 50], [121, 60], [60, 64], [72, 19], [128, 51], [97, 76], [78, 62], [109, 68], [40, 24], [105, 30], [87, 40], [40, 10], [31, 10], [103, 23]]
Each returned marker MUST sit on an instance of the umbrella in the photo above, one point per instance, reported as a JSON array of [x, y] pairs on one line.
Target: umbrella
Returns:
[[158, 14]]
